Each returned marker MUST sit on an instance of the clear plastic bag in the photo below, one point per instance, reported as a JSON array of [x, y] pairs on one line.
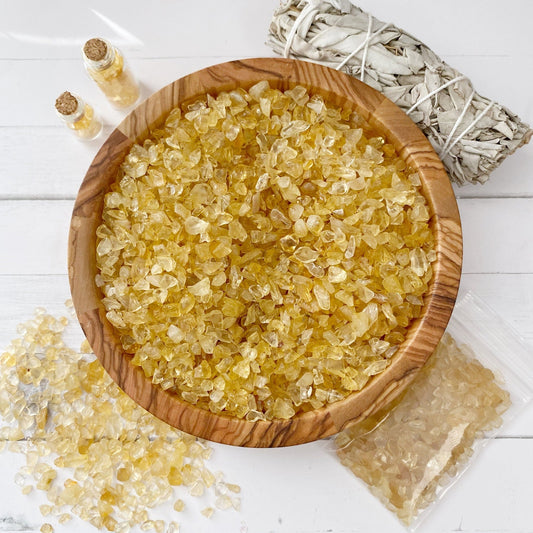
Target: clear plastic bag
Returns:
[[478, 379]]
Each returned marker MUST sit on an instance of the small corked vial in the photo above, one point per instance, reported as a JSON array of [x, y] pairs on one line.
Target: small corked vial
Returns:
[[105, 65], [79, 116]]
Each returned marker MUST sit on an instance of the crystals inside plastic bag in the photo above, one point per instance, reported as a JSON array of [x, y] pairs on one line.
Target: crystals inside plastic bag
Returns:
[[407, 452]]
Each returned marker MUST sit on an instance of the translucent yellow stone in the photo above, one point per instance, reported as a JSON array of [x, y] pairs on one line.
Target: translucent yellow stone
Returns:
[[288, 243], [282, 409], [208, 512], [233, 488], [64, 518], [305, 254], [85, 347], [179, 505], [336, 274], [237, 231], [315, 224], [322, 297], [194, 225], [232, 307], [174, 476], [202, 288], [45, 509], [110, 523], [124, 474]]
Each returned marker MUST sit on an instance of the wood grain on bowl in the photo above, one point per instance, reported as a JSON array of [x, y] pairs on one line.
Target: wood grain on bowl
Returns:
[[338, 89]]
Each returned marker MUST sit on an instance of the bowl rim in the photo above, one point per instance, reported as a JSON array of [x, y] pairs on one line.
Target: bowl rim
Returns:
[[424, 333]]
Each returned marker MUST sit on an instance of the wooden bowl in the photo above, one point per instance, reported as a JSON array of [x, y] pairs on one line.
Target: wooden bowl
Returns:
[[424, 334]]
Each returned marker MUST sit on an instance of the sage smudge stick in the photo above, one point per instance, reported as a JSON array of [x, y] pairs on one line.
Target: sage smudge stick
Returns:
[[471, 133]]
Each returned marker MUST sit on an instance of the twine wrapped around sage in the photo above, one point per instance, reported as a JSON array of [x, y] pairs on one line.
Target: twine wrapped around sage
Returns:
[[471, 133]]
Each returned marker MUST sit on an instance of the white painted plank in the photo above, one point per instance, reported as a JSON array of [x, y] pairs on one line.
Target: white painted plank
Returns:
[[17, 82], [181, 28], [44, 162], [43, 159], [305, 489], [33, 236], [496, 235], [53, 162], [157, 29]]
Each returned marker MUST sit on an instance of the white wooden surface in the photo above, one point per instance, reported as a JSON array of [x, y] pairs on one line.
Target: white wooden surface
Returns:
[[302, 489]]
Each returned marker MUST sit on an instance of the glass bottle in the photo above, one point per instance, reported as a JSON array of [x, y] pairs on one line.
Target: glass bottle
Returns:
[[105, 65], [78, 116]]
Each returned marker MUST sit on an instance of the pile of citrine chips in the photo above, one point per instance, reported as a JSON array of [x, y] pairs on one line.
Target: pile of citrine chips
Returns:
[[90, 447], [264, 253]]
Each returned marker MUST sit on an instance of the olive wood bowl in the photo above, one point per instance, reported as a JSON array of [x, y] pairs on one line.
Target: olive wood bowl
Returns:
[[424, 333]]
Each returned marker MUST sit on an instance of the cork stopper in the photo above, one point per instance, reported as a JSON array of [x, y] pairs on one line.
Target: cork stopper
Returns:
[[66, 103], [95, 49]]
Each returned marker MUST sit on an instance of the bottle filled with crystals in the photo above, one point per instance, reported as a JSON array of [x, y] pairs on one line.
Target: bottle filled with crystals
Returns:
[[78, 116], [106, 66]]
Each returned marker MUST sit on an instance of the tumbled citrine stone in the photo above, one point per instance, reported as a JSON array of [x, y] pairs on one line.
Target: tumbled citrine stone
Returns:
[[259, 238]]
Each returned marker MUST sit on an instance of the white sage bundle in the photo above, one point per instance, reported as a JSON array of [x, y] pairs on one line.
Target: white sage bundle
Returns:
[[471, 133]]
